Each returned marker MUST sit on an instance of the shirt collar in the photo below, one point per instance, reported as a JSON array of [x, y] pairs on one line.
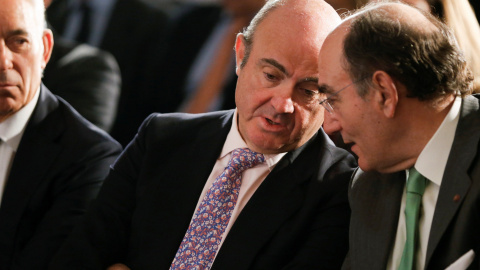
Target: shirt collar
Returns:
[[11, 130], [234, 140], [432, 160]]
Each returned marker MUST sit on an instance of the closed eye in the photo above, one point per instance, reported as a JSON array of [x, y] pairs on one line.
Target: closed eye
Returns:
[[309, 92], [269, 76]]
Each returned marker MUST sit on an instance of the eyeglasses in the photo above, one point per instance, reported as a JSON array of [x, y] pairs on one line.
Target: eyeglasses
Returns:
[[327, 105]]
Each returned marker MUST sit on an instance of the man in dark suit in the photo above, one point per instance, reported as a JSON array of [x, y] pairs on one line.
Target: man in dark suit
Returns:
[[87, 78], [292, 209], [133, 33], [398, 90], [52, 161]]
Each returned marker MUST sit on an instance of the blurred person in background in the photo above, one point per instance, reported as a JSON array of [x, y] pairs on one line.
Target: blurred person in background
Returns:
[[85, 76], [133, 32], [198, 71]]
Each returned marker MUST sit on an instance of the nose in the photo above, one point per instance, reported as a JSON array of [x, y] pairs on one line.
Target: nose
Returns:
[[5, 57], [330, 124], [282, 101]]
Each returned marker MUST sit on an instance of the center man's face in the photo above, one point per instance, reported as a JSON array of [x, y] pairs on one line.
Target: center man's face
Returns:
[[277, 94]]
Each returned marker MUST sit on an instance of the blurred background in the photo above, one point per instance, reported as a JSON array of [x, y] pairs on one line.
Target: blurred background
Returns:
[[165, 56]]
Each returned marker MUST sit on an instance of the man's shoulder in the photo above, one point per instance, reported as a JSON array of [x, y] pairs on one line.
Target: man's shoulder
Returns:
[[369, 183], [183, 127], [68, 127], [181, 121]]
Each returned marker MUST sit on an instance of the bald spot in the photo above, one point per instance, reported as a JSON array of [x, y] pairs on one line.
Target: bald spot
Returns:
[[407, 15], [314, 15]]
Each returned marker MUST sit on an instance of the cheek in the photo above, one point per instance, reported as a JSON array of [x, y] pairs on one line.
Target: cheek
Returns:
[[309, 119]]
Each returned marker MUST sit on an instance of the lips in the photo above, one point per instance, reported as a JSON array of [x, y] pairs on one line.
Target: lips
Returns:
[[269, 125], [271, 122]]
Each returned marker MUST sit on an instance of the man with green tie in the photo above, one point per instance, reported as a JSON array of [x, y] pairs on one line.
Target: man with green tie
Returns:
[[397, 89]]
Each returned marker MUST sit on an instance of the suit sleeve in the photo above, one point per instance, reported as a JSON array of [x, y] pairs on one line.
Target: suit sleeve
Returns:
[[101, 238], [70, 194]]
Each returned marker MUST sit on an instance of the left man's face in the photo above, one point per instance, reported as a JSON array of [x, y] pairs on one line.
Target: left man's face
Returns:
[[277, 94], [24, 51]]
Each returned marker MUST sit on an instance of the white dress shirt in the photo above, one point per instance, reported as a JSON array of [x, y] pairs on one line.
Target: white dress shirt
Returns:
[[11, 132], [431, 164], [251, 178]]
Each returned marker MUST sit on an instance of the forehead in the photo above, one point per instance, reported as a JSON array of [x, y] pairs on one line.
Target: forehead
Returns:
[[19, 14], [330, 59], [291, 36]]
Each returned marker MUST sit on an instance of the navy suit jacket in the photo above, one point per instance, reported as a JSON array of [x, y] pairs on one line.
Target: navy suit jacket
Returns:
[[61, 162], [297, 218], [375, 201]]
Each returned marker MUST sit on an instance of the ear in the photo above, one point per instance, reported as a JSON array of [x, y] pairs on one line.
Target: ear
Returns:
[[386, 94], [47, 39], [239, 51]]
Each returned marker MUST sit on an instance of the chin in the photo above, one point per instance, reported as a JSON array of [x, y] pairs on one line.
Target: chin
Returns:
[[364, 165]]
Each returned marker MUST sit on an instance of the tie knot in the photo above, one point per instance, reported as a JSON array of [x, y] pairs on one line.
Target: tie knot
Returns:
[[244, 158], [416, 182]]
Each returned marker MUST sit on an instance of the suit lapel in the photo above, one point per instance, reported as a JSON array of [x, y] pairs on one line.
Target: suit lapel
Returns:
[[278, 198], [456, 181], [37, 150], [187, 167], [375, 200]]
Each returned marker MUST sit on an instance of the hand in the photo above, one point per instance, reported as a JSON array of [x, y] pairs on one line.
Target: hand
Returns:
[[118, 266]]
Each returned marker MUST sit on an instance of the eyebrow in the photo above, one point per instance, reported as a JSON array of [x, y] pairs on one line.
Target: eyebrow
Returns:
[[325, 89], [276, 64], [17, 32], [308, 79]]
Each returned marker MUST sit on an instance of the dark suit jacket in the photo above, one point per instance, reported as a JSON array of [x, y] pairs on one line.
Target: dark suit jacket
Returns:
[[298, 217], [87, 78], [135, 36], [60, 164], [375, 201]]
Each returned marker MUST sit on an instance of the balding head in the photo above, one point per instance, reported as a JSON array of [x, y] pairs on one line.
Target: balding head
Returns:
[[317, 10], [277, 94], [413, 47]]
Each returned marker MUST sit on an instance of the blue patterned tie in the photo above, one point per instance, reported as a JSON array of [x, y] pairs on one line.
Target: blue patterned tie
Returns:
[[203, 237]]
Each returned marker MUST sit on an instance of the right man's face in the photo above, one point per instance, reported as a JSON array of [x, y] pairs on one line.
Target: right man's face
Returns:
[[353, 115]]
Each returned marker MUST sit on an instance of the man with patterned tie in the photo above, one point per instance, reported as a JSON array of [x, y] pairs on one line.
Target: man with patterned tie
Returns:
[[398, 92], [259, 187]]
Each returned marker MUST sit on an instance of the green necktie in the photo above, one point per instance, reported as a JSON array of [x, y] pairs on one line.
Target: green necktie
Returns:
[[415, 187]]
